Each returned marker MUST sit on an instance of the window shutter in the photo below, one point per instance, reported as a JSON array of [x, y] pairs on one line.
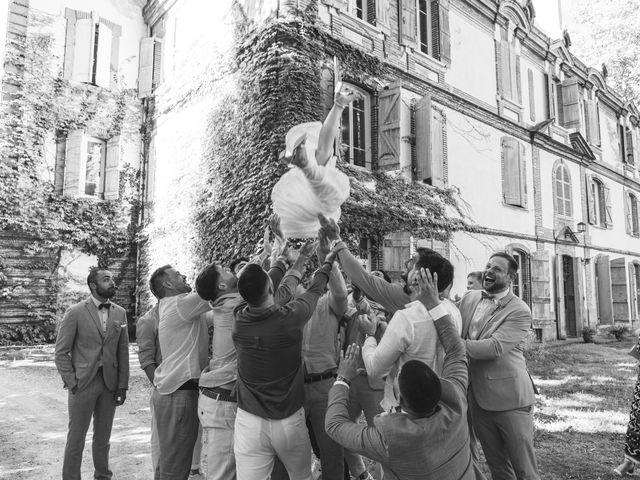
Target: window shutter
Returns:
[[440, 31], [371, 11], [518, 78], [571, 104], [145, 67], [72, 161], [629, 144], [596, 121], [607, 207], [568, 198], [505, 71], [522, 167], [389, 128], [157, 63], [408, 27], [635, 220], [510, 171], [592, 215], [540, 290], [396, 250], [558, 196], [532, 101], [58, 179], [115, 56], [603, 276], [103, 57], [548, 96], [619, 289], [83, 50], [111, 170], [628, 224], [422, 113], [70, 42], [437, 144], [382, 15], [587, 119]]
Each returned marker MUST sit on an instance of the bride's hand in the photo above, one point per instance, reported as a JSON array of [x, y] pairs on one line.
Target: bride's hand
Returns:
[[345, 95]]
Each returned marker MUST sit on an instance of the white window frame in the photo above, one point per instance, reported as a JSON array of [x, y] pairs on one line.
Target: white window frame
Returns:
[[84, 156], [347, 146], [428, 20], [598, 199], [566, 194]]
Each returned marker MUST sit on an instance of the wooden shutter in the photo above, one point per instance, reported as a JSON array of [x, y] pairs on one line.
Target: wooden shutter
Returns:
[[518, 78], [103, 56], [440, 30], [603, 287], [422, 115], [540, 290], [505, 71], [607, 207], [111, 169], [58, 179], [510, 171], [84, 48], [629, 145], [437, 148], [70, 42], [571, 104], [389, 103], [371, 11], [633, 288], [548, 96], [592, 215], [382, 15], [619, 291], [578, 284], [157, 63], [396, 249], [115, 55], [407, 24], [72, 163], [596, 120], [587, 121], [532, 101], [628, 224], [522, 167], [145, 67]]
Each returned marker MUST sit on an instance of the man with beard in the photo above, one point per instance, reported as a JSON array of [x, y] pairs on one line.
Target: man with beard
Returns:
[[182, 332], [501, 393], [92, 356]]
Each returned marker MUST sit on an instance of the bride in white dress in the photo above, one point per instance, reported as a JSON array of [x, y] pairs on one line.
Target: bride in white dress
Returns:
[[313, 185]]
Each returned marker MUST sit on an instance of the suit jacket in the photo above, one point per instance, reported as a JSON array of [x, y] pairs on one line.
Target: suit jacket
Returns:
[[81, 344], [497, 369]]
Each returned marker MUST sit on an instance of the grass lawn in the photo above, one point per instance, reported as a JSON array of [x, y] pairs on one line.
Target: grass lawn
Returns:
[[583, 407]]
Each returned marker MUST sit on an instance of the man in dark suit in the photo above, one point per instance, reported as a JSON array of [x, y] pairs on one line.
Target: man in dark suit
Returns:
[[495, 324], [92, 356]]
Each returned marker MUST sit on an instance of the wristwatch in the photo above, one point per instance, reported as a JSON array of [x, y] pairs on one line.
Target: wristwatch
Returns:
[[340, 378]]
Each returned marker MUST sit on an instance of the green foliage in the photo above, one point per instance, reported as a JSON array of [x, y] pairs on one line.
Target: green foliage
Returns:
[[43, 108], [277, 72], [43, 331], [618, 331], [588, 334]]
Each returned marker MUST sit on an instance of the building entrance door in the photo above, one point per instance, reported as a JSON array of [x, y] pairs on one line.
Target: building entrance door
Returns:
[[568, 279]]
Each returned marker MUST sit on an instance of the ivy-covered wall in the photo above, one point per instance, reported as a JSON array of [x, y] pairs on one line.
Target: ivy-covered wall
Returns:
[[38, 223]]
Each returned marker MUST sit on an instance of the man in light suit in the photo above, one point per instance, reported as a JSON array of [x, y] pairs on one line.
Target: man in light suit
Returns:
[[92, 356], [501, 393]]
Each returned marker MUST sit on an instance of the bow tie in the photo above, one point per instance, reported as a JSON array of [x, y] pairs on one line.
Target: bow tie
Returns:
[[487, 296], [104, 305]]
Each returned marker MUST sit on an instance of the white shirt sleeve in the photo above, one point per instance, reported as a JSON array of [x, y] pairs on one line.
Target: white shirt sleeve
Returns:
[[190, 306], [380, 358]]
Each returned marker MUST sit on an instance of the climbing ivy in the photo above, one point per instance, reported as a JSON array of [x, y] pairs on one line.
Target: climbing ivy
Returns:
[[43, 107], [277, 70]]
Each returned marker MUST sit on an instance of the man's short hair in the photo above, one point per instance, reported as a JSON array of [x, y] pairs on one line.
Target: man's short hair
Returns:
[[253, 283], [156, 279], [477, 275], [436, 263], [236, 261], [419, 386], [207, 282], [93, 276], [513, 265]]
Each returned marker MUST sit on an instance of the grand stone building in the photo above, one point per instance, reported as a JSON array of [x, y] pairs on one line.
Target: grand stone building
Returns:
[[474, 96]]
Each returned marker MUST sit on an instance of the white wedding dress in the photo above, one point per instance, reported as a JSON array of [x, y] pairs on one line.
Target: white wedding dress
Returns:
[[299, 197]]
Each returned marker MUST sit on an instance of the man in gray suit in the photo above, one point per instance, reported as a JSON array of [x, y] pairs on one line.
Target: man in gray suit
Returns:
[[495, 324], [429, 439], [92, 356]]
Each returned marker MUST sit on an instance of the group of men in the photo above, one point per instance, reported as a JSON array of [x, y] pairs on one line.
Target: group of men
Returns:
[[290, 370]]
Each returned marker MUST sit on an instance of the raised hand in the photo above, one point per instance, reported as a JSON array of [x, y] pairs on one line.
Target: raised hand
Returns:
[[345, 95], [330, 227], [367, 324], [308, 248], [275, 227], [348, 367], [428, 288], [324, 245]]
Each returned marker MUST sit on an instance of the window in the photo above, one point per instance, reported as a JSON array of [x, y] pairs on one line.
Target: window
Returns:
[[150, 61], [563, 191], [568, 98], [631, 214], [355, 128], [628, 146], [365, 10], [514, 176], [509, 62], [522, 283], [91, 49], [592, 119], [424, 25], [599, 207], [621, 143], [87, 166]]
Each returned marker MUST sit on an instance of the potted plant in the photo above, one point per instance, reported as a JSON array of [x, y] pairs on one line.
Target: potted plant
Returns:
[[588, 334], [618, 331]]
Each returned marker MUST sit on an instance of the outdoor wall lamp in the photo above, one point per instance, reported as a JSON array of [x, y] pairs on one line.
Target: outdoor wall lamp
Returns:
[[582, 227]]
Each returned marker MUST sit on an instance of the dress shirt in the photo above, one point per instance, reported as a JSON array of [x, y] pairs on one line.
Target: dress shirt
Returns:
[[182, 331], [103, 313], [411, 335], [482, 312], [222, 370]]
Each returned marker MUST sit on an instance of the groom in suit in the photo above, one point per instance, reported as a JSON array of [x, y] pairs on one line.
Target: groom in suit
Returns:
[[501, 393], [92, 357]]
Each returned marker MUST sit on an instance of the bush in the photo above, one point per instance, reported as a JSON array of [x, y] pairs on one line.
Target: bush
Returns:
[[588, 334], [618, 331], [28, 333]]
